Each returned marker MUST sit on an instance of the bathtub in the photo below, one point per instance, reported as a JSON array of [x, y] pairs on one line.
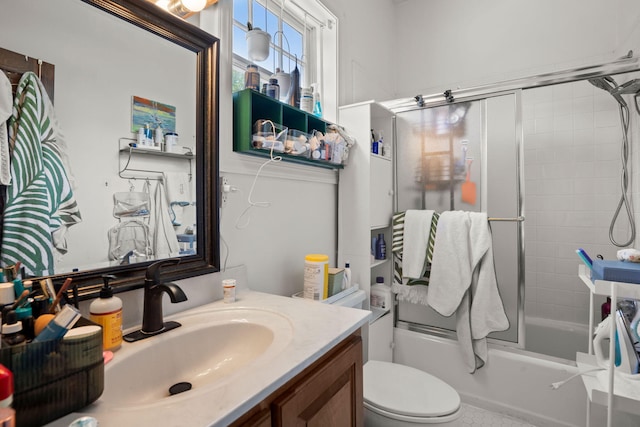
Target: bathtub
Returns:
[[555, 338], [513, 382]]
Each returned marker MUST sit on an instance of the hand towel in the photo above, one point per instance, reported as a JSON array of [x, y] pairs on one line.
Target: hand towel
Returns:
[[178, 186], [417, 224], [463, 281], [6, 101], [164, 241], [40, 198]]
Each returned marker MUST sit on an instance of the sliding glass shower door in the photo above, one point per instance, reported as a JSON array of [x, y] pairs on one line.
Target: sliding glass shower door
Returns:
[[466, 156]]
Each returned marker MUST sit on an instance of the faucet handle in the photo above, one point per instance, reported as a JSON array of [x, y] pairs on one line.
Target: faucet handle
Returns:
[[153, 271]]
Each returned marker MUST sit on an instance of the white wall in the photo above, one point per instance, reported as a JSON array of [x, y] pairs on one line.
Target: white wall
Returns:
[[572, 138], [446, 44]]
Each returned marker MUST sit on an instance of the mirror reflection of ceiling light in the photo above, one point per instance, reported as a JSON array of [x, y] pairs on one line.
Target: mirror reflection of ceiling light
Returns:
[[182, 8]]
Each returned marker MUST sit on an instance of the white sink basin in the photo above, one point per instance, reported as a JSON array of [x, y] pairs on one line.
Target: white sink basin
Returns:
[[208, 351]]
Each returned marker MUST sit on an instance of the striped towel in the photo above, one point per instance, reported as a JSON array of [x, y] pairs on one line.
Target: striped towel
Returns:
[[406, 289], [40, 202]]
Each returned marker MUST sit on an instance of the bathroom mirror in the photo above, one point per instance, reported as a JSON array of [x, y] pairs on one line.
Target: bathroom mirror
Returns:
[[105, 53]]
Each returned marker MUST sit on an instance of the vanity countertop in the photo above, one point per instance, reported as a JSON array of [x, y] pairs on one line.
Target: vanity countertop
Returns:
[[316, 329]]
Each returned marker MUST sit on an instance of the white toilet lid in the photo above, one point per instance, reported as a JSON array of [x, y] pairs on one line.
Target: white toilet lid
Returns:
[[403, 390]]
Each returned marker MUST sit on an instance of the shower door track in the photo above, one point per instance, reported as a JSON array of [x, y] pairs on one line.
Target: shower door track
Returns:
[[625, 64]]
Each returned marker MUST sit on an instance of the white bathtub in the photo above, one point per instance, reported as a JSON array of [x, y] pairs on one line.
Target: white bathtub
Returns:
[[513, 382], [555, 338]]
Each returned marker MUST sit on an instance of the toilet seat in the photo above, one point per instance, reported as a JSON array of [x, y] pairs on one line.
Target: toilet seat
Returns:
[[405, 393]]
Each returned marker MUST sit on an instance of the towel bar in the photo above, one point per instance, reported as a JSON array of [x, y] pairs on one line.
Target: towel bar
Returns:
[[516, 219]]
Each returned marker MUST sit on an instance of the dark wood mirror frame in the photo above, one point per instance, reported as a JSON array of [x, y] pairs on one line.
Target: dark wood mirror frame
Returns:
[[206, 48]]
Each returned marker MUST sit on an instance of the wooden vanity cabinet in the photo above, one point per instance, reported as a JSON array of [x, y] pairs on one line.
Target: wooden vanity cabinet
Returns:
[[326, 394]]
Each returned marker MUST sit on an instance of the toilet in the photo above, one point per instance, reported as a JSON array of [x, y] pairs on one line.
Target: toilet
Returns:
[[396, 395]]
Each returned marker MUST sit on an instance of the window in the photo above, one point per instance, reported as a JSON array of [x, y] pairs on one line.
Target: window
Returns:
[[292, 33]]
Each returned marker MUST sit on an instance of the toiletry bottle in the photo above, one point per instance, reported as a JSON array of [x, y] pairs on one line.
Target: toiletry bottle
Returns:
[[273, 89], [158, 137], [6, 387], [106, 311], [381, 247], [12, 331], [605, 308], [317, 105], [59, 325], [346, 281], [306, 100]]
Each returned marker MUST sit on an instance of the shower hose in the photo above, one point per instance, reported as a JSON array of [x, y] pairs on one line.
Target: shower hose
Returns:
[[624, 201]]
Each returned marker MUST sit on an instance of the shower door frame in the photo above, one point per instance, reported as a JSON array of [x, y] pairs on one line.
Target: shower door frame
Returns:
[[519, 218], [622, 65]]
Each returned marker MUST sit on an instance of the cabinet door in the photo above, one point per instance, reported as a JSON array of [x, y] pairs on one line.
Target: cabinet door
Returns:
[[331, 396], [381, 190]]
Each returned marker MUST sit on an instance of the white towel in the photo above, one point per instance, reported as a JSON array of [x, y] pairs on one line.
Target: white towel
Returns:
[[178, 186], [417, 224], [6, 105], [163, 236], [463, 281]]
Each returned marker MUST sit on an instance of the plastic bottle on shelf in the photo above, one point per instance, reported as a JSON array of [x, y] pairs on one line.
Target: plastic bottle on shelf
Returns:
[[306, 99], [252, 77], [381, 247], [380, 294], [346, 281], [273, 89], [317, 105], [605, 308]]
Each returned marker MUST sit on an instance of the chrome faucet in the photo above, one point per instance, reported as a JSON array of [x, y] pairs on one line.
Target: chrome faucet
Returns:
[[152, 319]]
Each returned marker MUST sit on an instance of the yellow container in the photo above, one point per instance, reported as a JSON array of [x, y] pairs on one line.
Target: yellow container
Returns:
[[316, 276]]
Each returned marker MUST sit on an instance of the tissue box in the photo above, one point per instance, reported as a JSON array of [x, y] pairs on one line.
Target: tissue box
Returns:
[[336, 277], [616, 271], [55, 378]]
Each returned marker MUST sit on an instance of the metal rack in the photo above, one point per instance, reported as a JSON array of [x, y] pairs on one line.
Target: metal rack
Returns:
[[604, 394], [130, 148]]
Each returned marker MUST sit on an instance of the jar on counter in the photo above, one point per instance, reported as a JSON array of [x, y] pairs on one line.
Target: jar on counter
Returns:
[[252, 77]]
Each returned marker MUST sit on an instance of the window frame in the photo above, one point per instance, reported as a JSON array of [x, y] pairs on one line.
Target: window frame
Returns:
[[307, 64]]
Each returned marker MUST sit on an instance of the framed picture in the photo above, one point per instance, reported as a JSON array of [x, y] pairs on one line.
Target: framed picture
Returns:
[[147, 112]]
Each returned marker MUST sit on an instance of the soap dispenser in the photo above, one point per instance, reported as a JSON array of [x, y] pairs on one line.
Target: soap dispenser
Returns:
[[106, 311]]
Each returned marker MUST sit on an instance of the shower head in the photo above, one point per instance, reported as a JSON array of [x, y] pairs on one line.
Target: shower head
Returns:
[[631, 87], [608, 84]]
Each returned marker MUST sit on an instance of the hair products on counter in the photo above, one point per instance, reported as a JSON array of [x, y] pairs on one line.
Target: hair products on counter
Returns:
[[7, 413], [6, 387], [316, 276], [12, 331], [106, 311], [59, 325]]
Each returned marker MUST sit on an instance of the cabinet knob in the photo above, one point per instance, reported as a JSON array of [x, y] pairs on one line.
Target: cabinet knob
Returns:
[[391, 192]]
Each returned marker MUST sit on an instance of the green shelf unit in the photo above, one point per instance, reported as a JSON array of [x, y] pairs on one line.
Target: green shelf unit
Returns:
[[250, 105]]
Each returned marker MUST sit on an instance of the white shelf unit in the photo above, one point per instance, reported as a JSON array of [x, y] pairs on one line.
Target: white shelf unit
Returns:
[[597, 391], [365, 195]]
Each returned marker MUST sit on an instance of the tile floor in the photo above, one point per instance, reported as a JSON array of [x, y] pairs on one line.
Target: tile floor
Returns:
[[476, 417]]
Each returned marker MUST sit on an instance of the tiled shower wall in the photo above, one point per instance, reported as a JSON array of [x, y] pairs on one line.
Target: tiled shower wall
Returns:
[[572, 145]]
